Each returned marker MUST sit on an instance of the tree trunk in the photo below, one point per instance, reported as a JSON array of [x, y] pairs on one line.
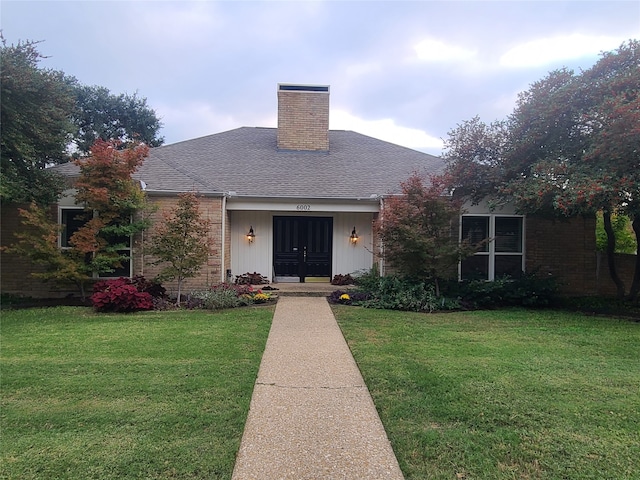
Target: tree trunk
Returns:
[[611, 250], [635, 285], [179, 291]]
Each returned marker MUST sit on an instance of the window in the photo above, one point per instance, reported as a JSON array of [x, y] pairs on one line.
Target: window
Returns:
[[500, 247], [72, 219]]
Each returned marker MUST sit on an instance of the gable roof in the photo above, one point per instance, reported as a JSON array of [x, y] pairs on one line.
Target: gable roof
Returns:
[[246, 161]]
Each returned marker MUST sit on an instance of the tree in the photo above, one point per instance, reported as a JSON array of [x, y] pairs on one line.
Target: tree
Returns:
[[418, 232], [181, 241], [625, 238], [571, 147], [111, 199], [45, 114], [102, 115], [35, 111]]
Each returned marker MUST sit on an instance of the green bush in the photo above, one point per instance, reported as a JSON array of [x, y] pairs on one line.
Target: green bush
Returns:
[[395, 293], [224, 295], [528, 291]]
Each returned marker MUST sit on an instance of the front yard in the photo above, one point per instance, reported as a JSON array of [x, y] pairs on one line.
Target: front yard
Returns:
[[503, 394], [475, 395], [147, 395]]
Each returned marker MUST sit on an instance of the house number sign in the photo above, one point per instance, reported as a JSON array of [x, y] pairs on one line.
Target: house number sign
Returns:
[[303, 207]]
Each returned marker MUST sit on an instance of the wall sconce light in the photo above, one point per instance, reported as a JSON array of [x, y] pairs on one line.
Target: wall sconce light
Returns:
[[251, 236], [354, 236]]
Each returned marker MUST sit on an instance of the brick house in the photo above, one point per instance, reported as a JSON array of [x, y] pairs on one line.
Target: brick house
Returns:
[[296, 203]]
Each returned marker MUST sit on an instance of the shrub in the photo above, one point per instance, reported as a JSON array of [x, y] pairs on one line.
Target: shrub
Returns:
[[251, 279], [342, 280], [119, 295], [153, 288], [395, 293], [528, 291], [226, 295], [368, 281]]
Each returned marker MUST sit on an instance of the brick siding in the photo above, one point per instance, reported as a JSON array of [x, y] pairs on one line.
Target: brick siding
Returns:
[[303, 120]]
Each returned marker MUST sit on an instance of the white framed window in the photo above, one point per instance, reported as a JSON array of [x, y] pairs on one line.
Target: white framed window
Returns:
[[501, 246], [72, 219]]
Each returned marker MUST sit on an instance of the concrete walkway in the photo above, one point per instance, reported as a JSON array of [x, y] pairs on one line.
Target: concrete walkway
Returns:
[[311, 415]]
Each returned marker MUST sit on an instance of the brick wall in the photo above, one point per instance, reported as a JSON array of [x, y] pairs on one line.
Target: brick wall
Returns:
[[15, 271], [211, 209], [303, 120], [565, 249]]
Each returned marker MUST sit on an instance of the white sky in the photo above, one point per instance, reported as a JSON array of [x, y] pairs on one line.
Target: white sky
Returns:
[[405, 72]]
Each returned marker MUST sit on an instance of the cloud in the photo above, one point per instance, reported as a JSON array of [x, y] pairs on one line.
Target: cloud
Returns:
[[432, 50], [387, 130], [546, 51]]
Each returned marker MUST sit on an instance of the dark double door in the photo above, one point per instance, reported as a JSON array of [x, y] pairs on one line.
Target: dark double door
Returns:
[[302, 247]]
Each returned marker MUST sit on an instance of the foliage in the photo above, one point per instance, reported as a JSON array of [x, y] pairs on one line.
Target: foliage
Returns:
[[224, 295], [393, 293], [111, 199], [625, 239], [342, 279], [38, 242], [570, 147], [181, 241], [119, 295], [251, 279], [227, 295], [102, 115], [45, 114], [529, 290], [397, 293], [369, 280], [35, 118], [418, 231]]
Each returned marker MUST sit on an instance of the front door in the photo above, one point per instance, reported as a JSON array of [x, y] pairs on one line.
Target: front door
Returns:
[[302, 247]]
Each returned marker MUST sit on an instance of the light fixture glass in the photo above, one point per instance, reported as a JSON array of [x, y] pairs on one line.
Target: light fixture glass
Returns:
[[251, 236], [354, 236]]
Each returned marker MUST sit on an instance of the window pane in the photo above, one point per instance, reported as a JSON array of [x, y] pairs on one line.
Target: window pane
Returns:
[[508, 234], [475, 268], [72, 220], [508, 265], [475, 230]]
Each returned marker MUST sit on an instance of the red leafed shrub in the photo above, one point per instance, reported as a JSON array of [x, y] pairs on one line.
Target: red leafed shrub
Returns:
[[119, 295]]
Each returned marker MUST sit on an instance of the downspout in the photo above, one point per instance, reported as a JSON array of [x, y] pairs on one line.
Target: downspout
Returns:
[[380, 245], [223, 270]]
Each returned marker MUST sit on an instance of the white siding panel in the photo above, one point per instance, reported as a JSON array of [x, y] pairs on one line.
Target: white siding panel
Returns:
[[256, 256]]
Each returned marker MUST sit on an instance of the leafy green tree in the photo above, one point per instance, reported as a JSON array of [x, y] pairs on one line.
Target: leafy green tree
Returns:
[[35, 113], [571, 146], [181, 241], [418, 231], [102, 115], [625, 238]]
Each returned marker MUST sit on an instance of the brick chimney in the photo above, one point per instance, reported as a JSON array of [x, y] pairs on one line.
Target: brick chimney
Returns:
[[303, 117]]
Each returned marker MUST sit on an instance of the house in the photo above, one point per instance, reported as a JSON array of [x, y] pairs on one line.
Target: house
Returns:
[[296, 203]]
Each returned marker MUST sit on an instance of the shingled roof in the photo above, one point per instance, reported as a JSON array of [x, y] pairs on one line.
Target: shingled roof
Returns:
[[247, 161]]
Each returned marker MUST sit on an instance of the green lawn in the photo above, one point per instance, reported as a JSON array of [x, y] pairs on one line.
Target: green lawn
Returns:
[[147, 395], [503, 394]]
